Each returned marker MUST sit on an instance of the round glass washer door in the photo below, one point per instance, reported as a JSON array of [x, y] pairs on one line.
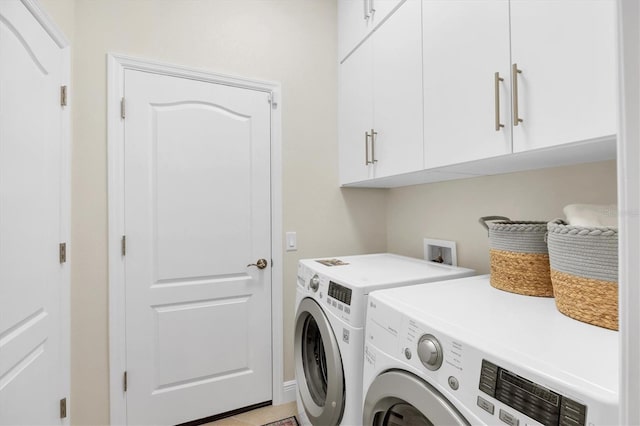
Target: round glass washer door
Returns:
[[318, 365], [398, 398]]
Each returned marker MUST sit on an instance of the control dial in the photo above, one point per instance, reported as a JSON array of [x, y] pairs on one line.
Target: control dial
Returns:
[[314, 283], [430, 352]]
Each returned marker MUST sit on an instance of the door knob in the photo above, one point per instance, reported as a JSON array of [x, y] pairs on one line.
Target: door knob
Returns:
[[261, 264]]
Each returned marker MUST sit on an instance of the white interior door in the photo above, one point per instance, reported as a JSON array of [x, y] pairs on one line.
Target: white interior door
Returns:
[[33, 366], [197, 212]]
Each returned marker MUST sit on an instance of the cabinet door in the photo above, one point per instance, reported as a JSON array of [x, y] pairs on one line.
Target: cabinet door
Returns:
[[353, 24], [567, 88], [380, 9], [357, 18], [397, 83], [465, 43], [355, 100]]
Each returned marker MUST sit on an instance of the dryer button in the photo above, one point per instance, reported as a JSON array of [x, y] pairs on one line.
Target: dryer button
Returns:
[[485, 405], [508, 418], [407, 353], [453, 383]]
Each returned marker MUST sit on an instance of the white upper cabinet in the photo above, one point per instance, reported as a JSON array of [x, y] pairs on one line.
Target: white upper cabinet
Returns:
[[555, 85], [467, 106], [443, 89], [357, 18], [380, 101], [355, 111], [566, 89], [397, 80]]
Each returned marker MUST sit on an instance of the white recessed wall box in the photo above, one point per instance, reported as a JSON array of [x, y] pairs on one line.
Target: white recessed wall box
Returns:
[[440, 251]]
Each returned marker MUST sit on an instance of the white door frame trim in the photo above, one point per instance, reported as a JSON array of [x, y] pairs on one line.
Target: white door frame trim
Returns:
[[116, 66], [629, 208]]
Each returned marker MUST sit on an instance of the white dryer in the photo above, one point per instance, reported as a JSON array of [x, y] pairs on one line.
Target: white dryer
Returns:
[[331, 302], [465, 353]]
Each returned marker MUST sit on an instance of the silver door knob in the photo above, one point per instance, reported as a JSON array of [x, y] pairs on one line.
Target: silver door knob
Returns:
[[261, 264]]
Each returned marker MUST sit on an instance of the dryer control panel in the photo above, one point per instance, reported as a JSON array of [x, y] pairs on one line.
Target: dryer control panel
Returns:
[[333, 297], [340, 293], [530, 398]]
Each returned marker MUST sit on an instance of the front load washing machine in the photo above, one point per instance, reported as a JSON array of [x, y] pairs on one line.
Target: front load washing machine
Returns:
[[466, 353], [331, 301]]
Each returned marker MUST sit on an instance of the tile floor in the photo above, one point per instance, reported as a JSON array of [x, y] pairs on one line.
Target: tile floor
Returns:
[[259, 416]]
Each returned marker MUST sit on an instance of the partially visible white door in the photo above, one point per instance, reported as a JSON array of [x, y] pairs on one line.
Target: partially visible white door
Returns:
[[465, 43], [566, 90], [33, 368], [197, 212]]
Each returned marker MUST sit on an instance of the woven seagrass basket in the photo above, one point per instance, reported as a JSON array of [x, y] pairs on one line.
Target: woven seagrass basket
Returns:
[[584, 272], [518, 256]]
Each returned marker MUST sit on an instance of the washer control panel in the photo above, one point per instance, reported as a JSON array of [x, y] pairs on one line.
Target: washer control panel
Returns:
[[536, 401]]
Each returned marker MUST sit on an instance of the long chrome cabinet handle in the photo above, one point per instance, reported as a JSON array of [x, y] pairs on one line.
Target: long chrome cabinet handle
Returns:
[[365, 4], [366, 149], [496, 82], [373, 144], [372, 9], [516, 116]]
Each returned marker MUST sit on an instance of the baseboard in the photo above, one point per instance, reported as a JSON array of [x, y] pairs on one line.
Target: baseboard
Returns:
[[289, 390]]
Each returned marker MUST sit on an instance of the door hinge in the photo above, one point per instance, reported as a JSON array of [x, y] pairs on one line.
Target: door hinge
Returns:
[[272, 100], [63, 408], [63, 252], [122, 108], [123, 245], [63, 95], [125, 384]]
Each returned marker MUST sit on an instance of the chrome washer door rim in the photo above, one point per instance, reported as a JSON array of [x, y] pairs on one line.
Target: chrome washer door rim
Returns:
[[331, 413], [398, 387]]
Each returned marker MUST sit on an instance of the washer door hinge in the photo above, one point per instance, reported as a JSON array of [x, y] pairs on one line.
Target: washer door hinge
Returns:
[[63, 95], [123, 245], [125, 384]]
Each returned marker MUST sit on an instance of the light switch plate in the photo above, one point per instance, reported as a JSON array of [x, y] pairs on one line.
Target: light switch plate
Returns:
[[440, 251], [291, 241]]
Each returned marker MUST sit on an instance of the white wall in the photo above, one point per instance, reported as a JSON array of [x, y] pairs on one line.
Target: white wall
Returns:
[[450, 210], [290, 41], [62, 12]]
